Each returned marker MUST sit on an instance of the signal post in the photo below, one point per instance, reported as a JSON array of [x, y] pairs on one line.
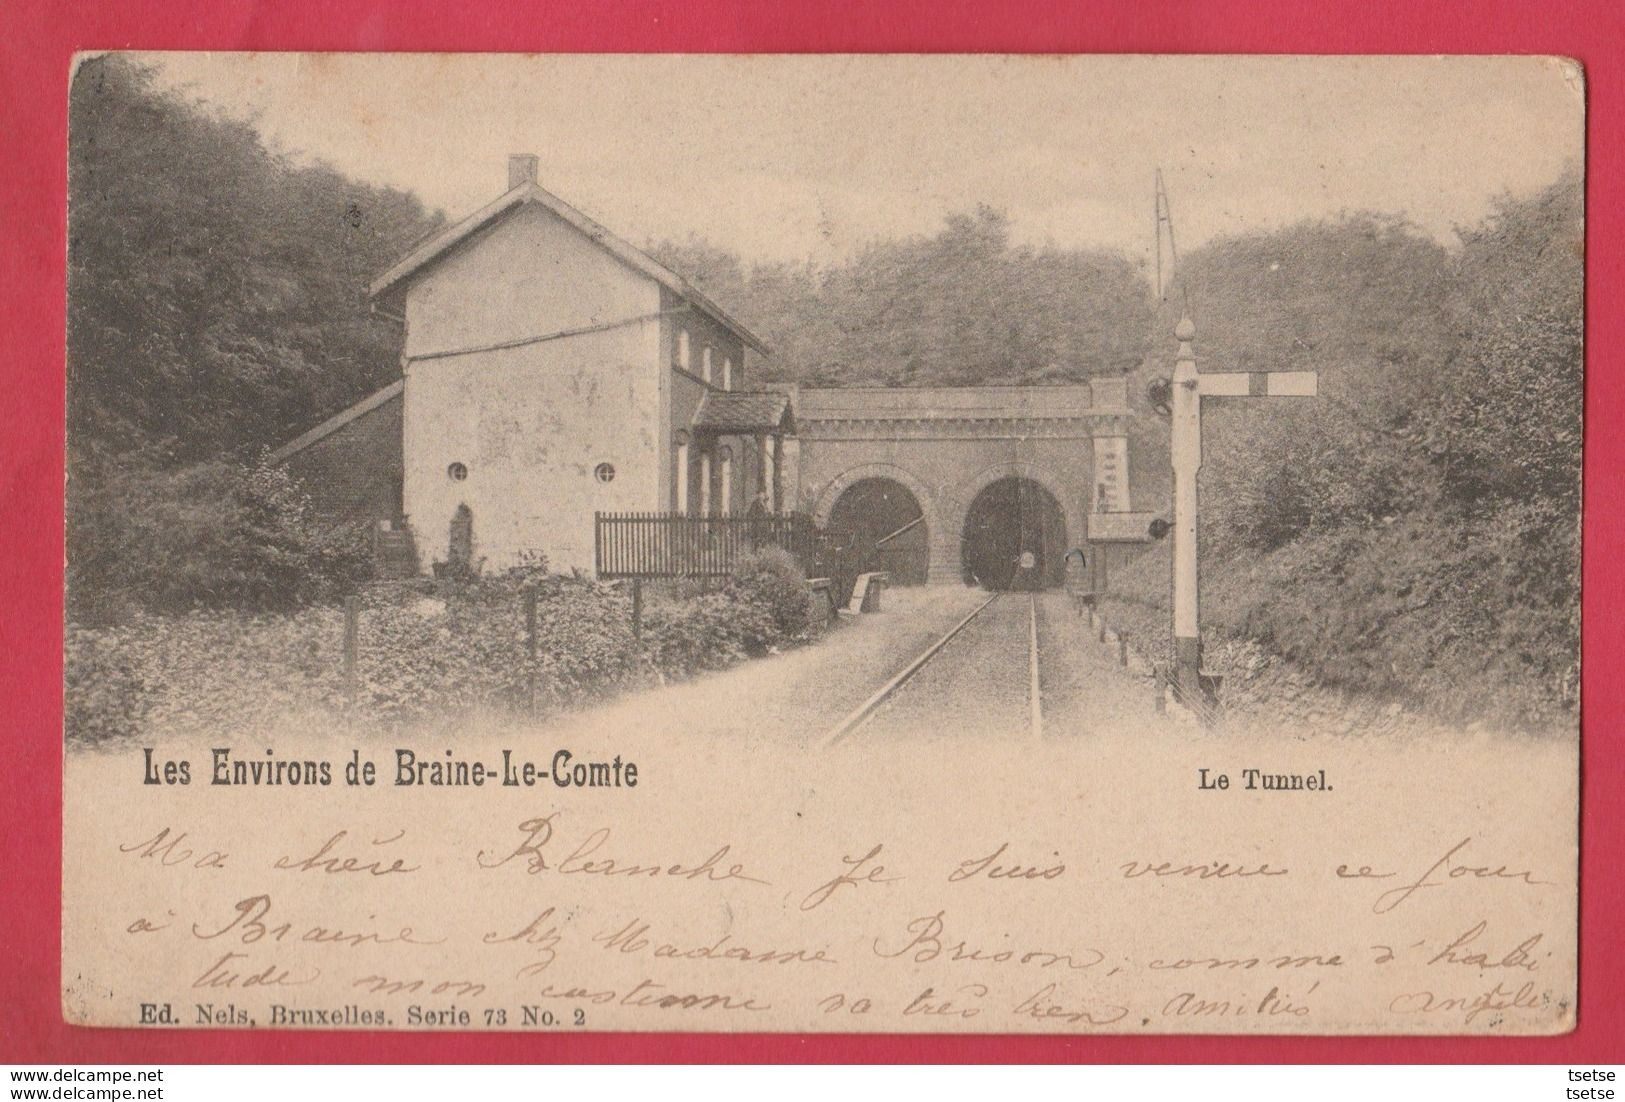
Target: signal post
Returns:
[[1189, 387]]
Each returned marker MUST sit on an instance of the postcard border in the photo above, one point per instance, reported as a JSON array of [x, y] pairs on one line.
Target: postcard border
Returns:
[[37, 52]]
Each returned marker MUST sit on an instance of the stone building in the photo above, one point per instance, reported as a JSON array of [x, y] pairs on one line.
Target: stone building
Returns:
[[551, 370]]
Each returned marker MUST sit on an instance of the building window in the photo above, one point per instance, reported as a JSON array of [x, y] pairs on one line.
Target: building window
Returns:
[[682, 350], [680, 441], [457, 472], [604, 472], [725, 458], [705, 363], [727, 373]]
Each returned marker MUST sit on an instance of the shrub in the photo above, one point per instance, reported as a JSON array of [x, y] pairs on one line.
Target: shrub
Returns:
[[585, 645], [341, 557], [205, 671], [702, 633], [426, 649], [1471, 622], [422, 656], [772, 582], [212, 536], [450, 645], [531, 567], [104, 696]]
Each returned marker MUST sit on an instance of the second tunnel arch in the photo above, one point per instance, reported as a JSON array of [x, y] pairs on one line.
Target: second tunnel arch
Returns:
[[1049, 521]]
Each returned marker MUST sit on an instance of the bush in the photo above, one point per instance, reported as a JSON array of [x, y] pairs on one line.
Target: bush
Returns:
[[584, 637], [448, 646], [208, 671], [341, 557], [764, 606], [771, 582], [426, 649], [708, 632], [1467, 623], [421, 656], [213, 536], [104, 696]]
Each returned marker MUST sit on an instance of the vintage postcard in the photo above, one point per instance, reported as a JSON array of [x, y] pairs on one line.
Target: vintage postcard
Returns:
[[856, 544]]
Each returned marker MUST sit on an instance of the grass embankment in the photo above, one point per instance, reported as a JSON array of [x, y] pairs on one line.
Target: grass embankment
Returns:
[[1353, 630]]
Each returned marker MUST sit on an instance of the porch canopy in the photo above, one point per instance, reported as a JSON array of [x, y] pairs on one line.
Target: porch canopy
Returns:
[[764, 415], [743, 413]]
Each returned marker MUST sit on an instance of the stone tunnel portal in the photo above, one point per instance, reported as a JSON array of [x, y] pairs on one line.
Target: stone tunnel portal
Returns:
[[990, 473], [883, 521], [1014, 538]]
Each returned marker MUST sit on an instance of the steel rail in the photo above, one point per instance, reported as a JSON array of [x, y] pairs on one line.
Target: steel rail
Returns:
[[861, 714]]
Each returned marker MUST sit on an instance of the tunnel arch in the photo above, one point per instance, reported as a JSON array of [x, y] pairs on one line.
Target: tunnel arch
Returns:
[[1054, 524], [1014, 537], [864, 499], [884, 522], [838, 485]]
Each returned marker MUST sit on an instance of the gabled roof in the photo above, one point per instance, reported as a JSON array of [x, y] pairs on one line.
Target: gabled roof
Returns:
[[730, 411], [634, 258], [339, 420]]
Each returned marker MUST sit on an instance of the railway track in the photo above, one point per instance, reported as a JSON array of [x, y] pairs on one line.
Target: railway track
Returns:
[[991, 654]]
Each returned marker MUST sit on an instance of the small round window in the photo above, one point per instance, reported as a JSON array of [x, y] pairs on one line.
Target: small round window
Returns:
[[604, 472], [457, 472]]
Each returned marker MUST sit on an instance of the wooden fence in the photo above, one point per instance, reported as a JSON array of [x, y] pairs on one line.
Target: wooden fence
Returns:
[[669, 545]]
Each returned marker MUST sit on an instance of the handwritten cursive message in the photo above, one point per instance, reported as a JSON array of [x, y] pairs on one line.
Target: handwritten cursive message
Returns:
[[741, 898]]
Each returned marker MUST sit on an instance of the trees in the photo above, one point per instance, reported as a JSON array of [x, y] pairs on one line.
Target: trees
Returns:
[[216, 289], [1360, 300], [219, 534], [1415, 529], [216, 306], [965, 307], [1507, 427]]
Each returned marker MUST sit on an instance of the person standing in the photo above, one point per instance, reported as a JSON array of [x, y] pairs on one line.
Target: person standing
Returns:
[[757, 514]]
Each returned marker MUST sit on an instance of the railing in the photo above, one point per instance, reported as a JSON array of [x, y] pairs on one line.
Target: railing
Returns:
[[670, 545]]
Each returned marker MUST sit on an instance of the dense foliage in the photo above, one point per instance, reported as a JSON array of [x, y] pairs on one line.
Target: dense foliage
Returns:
[[212, 535], [965, 307], [216, 288], [428, 651], [1415, 530], [771, 580], [763, 607], [216, 306]]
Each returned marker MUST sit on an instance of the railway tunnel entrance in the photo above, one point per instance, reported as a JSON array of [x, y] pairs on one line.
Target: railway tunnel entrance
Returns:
[[1014, 538], [997, 471], [883, 522]]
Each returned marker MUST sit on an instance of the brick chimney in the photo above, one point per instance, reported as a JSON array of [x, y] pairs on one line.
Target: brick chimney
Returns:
[[521, 169]]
